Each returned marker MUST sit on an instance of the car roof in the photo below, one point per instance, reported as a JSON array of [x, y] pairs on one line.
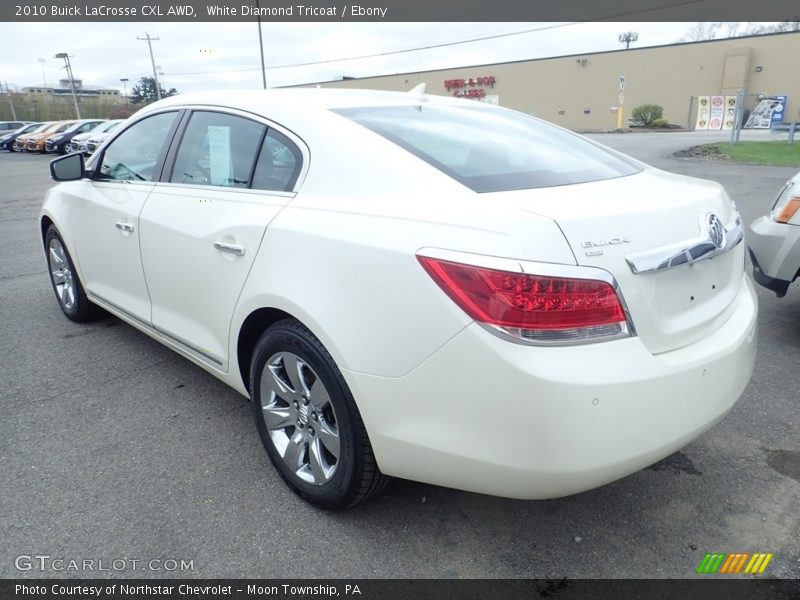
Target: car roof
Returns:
[[301, 99]]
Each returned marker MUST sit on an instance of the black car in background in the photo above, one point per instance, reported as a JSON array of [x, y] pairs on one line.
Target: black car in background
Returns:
[[7, 140], [58, 142]]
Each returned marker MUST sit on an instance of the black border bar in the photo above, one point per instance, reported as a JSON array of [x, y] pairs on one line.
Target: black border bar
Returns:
[[395, 10], [711, 588]]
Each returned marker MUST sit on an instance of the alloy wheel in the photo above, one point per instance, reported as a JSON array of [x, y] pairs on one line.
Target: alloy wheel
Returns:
[[60, 272], [300, 418]]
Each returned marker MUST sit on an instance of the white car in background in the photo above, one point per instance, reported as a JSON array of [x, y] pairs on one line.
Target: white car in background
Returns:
[[79, 142], [96, 139], [774, 241], [414, 286]]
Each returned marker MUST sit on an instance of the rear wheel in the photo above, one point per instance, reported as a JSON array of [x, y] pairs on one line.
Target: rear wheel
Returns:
[[66, 284], [308, 421]]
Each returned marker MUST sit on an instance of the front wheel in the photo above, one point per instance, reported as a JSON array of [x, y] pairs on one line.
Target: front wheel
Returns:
[[308, 421], [66, 284]]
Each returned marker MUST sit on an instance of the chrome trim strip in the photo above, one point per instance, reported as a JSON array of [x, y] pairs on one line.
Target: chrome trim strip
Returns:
[[188, 346], [127, 314], [538, 268], [687, 251], [158, 330]]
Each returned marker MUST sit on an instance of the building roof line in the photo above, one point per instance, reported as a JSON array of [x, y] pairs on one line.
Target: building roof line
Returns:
[[578, 54]]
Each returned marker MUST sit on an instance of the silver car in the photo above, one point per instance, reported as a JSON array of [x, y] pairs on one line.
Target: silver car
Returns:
[[774, 241], [79, 142]]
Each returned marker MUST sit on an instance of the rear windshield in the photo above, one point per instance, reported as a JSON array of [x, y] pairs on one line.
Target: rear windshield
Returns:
[[491, 150]]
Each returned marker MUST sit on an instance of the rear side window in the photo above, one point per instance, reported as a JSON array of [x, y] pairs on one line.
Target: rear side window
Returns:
[[491, 150], [217, 149], [278, 164]]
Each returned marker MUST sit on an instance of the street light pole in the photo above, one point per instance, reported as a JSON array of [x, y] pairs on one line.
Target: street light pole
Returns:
[[124, 81], [65, 56], [44, 79], [161, 75], [149, 41], [261, 46]]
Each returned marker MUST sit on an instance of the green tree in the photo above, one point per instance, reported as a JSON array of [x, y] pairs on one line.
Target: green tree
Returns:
[[144, 92]]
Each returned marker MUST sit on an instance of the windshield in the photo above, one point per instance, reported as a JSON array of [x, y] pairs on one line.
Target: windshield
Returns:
[[42, 127], [490, 150]]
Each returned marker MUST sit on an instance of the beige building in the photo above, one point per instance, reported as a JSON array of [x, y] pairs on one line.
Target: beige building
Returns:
[[581, 91]]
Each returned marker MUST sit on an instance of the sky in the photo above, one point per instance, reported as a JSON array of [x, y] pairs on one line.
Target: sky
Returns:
[[198, 56]]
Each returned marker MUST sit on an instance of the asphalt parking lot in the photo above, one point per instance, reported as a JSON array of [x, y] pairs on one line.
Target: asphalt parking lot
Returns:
[[113, 447]]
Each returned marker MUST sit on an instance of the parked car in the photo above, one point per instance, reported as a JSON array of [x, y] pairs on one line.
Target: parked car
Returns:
[[774, 241], [35, 142], [7, 140], [58, 143], [12, 125], [449, 292], [21, 143], [78, 142], [96, 139]]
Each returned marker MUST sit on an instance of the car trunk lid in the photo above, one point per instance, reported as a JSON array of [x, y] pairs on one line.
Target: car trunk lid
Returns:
[[631, 226]]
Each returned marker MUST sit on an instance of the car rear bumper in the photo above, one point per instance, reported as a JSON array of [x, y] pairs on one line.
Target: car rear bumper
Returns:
[[487, 415]]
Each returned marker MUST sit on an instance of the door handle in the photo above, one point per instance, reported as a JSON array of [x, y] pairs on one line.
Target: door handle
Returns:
[[229, 248], [122, 226]]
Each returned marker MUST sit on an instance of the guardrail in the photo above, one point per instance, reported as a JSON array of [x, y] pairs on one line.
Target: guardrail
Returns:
[[785, 127]]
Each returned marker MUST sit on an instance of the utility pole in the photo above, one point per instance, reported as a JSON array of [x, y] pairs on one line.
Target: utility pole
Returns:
[[149, 41], [261, 46], [11, 102], [68, 66]]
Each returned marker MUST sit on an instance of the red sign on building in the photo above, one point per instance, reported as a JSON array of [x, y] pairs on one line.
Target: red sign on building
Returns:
[[474, 87]]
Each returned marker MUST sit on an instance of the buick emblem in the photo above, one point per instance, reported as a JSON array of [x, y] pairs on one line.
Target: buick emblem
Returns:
[[716, 231]]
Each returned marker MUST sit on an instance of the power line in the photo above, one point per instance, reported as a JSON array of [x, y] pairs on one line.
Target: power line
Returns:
[[387, 53]]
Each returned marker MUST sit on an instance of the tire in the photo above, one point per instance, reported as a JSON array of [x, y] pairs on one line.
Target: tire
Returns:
[[314, 436], [64, 279]]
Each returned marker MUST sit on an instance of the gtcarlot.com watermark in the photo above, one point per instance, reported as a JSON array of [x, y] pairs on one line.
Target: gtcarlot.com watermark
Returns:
[[58, 564]]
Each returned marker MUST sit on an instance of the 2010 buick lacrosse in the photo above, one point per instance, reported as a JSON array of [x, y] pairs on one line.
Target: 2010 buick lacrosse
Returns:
[[414, 286]]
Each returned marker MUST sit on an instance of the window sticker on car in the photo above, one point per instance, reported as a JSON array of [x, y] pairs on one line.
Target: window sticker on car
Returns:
[[219, 153]]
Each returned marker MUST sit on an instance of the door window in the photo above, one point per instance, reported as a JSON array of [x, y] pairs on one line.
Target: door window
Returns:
[[217, 149], [134, 154]]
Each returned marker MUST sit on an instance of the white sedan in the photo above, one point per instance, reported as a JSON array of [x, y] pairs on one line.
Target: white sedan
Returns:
[[414, 286]]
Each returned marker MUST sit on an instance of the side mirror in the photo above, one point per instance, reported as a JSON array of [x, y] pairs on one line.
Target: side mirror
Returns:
[[68, 168]]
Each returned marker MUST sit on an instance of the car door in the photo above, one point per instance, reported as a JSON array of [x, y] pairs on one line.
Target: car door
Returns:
[[104, 215], [203, 224]]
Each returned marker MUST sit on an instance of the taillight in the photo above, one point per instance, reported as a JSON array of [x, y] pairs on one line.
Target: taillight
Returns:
[[533, 308]]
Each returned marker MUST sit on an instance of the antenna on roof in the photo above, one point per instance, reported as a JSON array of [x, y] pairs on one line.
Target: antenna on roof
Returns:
[[418, 90]]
